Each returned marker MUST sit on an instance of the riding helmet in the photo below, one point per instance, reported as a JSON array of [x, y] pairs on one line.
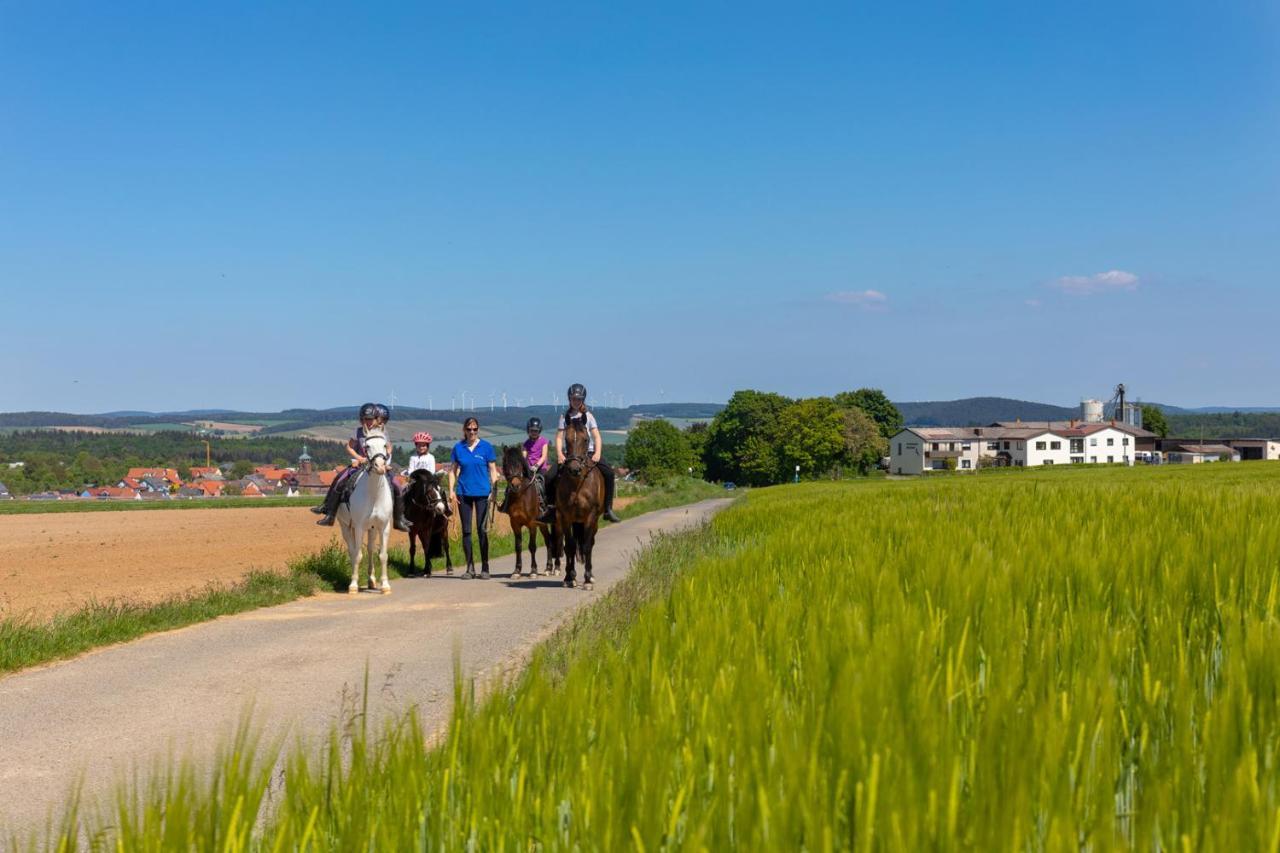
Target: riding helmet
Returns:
[[422, 438], [577, 391], [368, 410], [534, 423], [384, 412]]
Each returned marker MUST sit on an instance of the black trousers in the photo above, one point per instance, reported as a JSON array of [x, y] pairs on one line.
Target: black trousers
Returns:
[[480, 506]]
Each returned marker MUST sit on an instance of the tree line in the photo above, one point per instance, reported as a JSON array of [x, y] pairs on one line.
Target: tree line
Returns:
[[760, 438], [69, 460]]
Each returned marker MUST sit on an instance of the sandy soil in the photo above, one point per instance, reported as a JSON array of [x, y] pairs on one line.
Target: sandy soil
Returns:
[[54, 562]]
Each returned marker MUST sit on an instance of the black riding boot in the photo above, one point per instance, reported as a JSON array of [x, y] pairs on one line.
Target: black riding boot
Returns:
[[329, 508], [609, 488], [397, 507], [548, 495]]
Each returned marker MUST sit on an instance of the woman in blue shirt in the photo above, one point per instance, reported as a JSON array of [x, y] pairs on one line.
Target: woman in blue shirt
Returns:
[[473, 470]]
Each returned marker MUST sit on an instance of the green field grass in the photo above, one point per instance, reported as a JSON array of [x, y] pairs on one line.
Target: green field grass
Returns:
[[1033, 662]]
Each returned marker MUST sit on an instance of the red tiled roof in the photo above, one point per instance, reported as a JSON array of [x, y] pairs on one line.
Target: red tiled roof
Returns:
[[251, 490], [203, 471]]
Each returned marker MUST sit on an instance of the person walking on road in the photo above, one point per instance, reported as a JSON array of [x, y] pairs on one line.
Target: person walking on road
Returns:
[[473, 471]]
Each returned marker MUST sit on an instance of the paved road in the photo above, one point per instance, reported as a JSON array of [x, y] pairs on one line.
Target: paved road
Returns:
[[184, 691]]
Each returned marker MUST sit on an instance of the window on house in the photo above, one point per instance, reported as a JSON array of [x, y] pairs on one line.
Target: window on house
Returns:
[[966, 446], [993, 445], [1006, 445], [936, 445], [1093, 442], [1111, 459], [1055, 445], [965, 463], [1077, 460], [1040, 445], [899, 448], [1077, 446], [1048, 461], [1022, 445], [1125, 441], [1093, 459], [1111, 442]]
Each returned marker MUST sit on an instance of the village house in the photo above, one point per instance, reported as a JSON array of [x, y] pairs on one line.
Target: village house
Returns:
[[914, 450], [168, 475], [1195, 454], [4, 493], [203, 473]]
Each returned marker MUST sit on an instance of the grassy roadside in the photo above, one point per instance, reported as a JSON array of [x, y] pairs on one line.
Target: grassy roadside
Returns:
[[26, 642], [20, 507]]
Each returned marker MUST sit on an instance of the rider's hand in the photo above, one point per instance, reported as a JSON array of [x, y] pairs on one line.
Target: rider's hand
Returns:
[[595, 457], [559, 456]]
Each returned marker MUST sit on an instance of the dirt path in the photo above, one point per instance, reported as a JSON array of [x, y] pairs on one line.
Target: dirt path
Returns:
[[54, 562], [182, 692]]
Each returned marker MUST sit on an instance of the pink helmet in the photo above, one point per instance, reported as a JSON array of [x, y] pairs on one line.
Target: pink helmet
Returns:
[[422, 438]]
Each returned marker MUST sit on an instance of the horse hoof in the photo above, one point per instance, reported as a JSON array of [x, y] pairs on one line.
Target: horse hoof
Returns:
[[588, 585], [386, 590], [353, 590], [569, 584]]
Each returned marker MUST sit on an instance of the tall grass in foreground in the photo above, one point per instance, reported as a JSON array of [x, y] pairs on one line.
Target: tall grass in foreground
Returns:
[[1043, 662]]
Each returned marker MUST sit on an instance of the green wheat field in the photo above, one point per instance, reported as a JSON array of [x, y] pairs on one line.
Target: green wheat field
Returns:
[[1047, 660]]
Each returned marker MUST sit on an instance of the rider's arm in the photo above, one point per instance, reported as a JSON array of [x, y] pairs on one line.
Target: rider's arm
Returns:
[[493, 474], [599, 445], [560, 446], [351, 451]]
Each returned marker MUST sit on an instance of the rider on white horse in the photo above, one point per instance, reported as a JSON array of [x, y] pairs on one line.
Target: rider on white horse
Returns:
[[372, 416]]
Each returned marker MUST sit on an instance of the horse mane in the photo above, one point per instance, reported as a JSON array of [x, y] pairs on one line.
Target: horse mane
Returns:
[[512, 454]]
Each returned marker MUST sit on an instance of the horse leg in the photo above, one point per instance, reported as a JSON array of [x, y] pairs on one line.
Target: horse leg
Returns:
[[413, 548], [588, 543], [533, 552], [448, 552], [353, 552], [370, 548], [569, 553], [382, 557], [518, 532]]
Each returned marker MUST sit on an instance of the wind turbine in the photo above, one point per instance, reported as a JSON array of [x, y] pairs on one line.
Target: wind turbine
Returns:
[[504, 401], [491, 396], [391, 399]]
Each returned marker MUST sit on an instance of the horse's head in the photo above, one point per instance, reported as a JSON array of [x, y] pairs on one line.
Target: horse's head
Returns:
[[425, 491], [576, 440], [377, 450], [514, 465]]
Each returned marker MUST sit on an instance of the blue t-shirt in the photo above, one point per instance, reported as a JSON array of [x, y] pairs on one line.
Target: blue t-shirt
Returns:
[[473, 479]]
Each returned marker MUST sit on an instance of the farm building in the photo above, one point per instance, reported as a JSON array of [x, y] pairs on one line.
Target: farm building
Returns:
[[915, 450], [1194, 454], [4, 493], [1248, 449]]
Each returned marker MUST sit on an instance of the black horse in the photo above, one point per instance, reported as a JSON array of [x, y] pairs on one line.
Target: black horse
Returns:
[[424, 505]]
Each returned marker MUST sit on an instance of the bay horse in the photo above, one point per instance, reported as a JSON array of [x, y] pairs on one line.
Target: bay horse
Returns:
[[523, 511], [424, 505], [366, 517], [579, 502]]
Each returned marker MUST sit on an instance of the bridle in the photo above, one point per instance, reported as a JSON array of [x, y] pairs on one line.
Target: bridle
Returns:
[[369, 459]]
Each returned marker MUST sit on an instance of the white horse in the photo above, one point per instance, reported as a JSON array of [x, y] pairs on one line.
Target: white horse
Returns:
[[367, 515]]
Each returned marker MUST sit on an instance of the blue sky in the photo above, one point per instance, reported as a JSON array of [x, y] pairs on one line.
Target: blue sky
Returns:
[[314, 204]]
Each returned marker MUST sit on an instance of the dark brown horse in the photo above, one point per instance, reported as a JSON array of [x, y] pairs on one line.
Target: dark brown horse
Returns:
[[523, 511], [424, 509], [579, 502]]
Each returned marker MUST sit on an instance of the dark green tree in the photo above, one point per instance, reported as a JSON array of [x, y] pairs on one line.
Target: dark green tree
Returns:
[[741, 439], [1154, 420], [877, 406], [696, 434], [241, 469], [864, 446], [811, 436], [656, 449]]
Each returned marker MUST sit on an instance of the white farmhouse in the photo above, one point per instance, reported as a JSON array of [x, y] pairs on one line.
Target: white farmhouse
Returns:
[[915, 450]]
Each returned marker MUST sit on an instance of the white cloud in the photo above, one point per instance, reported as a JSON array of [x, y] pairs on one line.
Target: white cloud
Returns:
[[868, 300], [1102, 282]]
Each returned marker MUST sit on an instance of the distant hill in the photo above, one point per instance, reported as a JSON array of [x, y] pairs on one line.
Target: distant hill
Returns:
[[295, 420], [976, 411]]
